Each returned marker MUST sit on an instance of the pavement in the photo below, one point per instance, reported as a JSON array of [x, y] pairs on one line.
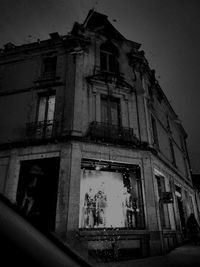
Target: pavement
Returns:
[[187, 255]]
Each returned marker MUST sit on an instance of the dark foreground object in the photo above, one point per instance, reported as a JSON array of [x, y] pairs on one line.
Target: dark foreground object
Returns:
[[22, 244]]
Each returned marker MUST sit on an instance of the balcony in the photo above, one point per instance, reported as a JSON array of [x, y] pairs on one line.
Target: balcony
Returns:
[[112, 133], [115, 78], [41, 129], [111, 76], [47, 76]]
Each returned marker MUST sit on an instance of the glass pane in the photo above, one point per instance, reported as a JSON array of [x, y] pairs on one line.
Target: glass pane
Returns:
[[191, 205], [104, 110], [172, 151], [154, 129], [51, 107], [42, 108], [50, 64], [136, 192], [114, 113], [48, 130], [100, 205], [166, 214], [163, 207], [108, 200], [112, 63], [103, 61]]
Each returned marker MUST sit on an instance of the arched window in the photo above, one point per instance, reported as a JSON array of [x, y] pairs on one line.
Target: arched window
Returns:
[[108, 57]]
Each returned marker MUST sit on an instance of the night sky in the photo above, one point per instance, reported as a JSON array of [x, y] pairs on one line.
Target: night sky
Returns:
[[169, 31]]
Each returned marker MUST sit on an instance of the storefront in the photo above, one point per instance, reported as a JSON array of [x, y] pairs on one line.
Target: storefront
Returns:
[[110, 196], [111, 214]]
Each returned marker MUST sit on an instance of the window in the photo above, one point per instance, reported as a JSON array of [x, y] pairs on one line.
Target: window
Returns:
[[150, 91], [168, 124], [191, 205], [188, 203], [45, 115], [37, 191], [108, 57], [49, 67], [154, 132], [172, 152], [111, 196], [164, 214], [180, 205], [110, 110], [182, 141]]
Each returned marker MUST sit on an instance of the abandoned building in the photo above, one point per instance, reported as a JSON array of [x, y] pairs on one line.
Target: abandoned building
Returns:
[[90, 147]]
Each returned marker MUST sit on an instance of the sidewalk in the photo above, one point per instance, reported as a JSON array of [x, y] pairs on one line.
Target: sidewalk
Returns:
[[187, 255]]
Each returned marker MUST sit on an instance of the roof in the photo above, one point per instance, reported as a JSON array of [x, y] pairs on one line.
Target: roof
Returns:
[[98, 22]]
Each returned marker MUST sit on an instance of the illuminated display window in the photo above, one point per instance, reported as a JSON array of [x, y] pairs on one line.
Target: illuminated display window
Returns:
[[110, 197]]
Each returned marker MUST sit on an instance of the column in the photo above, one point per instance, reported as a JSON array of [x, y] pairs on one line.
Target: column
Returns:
[[12, 176]]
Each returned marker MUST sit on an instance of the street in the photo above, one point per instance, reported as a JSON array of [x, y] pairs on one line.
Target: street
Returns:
[[186, 255]]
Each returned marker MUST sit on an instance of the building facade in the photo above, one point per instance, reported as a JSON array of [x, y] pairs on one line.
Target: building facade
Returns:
[[196, 184], [91, 149]]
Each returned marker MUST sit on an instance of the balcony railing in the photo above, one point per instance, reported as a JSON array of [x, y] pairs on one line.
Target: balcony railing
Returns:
[[41, 129], [116, 78], [112, 133], [47, 76], [108, 74]]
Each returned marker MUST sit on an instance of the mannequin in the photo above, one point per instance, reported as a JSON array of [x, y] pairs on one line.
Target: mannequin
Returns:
[[90, 209], [128, 208]]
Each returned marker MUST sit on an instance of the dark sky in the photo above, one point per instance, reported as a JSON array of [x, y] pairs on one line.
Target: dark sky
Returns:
[[169, 31]]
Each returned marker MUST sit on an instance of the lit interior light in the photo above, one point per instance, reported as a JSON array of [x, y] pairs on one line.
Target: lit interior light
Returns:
[[104, 199], [97, 167]]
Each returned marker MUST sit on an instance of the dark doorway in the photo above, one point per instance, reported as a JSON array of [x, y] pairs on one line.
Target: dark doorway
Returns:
[[37, 191], [182, 215]]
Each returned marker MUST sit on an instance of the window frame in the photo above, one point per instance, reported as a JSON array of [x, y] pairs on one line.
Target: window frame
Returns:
[[173, 158], [46, 95], [109, 100], [154, 132], [108, 58], [168, 124], [49, 68], [90, 164], [45, 123]]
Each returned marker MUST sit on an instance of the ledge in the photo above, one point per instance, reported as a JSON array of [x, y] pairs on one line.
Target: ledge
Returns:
[[113, 233]]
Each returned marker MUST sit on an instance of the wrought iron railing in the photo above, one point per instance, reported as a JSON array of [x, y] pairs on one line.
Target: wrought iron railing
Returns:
[[110, 77], [112, 133], [41, 129], [48, 75], [114, 73]]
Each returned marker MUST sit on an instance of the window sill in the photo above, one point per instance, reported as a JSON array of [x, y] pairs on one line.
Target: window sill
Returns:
[[111, 232], [47, 79], [169, 231]]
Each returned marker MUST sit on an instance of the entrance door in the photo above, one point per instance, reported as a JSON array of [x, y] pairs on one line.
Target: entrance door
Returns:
[[37, 191]]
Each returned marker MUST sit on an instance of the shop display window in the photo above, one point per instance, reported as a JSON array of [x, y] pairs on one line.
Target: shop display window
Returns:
[[110, 197]]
